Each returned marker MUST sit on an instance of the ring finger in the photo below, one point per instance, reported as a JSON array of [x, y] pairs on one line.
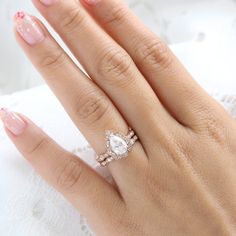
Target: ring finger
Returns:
[[109, 65], [88, 106]]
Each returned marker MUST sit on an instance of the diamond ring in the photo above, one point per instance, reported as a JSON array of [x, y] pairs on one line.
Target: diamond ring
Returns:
[[118, 146]]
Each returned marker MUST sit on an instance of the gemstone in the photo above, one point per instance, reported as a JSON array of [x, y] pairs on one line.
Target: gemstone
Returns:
[[118, 145]]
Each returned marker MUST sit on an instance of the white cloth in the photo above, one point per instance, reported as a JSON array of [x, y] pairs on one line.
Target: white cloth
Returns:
[[28, 206]]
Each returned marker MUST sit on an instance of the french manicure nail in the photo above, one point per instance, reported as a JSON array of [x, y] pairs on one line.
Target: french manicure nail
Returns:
[[28, 28], [48, 2], [12, 121]]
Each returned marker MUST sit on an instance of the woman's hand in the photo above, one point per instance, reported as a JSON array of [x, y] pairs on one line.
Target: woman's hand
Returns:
[[180, 177]]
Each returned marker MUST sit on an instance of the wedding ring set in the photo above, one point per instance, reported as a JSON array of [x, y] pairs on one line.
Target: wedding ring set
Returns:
[[118, 146]]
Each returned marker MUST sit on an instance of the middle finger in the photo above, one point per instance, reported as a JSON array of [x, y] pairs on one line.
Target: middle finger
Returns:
[[108, 65], [87, 105]]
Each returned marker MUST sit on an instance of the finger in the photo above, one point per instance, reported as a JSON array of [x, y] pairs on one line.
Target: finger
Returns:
[[183, 97], [88, 106], [107, 64], [82, 186]]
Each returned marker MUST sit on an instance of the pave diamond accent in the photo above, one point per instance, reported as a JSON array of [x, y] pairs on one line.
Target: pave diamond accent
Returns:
[[118, 145]]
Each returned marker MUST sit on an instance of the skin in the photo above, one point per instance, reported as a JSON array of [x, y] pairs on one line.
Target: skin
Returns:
[[180, 177]]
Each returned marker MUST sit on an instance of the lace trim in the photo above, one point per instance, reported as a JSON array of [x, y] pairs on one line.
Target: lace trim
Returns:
[[39, 210]]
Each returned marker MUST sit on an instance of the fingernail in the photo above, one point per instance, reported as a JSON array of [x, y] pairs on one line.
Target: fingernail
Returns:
[[12, 121], [48, 2], [92, 2], [28, 28]]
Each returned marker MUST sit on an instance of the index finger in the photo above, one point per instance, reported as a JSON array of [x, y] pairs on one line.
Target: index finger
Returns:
[[80, 184]]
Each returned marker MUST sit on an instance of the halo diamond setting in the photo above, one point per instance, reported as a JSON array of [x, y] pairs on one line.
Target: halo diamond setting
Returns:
[[118, 146]]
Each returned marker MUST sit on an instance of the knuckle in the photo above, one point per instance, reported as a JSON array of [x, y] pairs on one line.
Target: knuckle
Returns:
[[213, 126], [180, 152], [40, 145], [155, 53], [175, 150], [53, 60], [175, 144], [153, 187], [130, 225], [116, 16], [114, 62], [70, 175], [72, 19], [92, 108]]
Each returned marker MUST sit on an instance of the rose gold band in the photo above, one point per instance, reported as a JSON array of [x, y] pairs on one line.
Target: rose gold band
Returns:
[[118, 146]]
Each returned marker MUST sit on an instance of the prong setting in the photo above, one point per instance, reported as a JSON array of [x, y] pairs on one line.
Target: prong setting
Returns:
[[118, 146]]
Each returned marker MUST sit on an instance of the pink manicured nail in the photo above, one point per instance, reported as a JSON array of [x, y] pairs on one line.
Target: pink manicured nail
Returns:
[[12, 121], [28, 28], [48, 2], [92, 2]]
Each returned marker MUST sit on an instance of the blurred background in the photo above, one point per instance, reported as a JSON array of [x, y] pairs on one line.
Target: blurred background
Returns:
[[202, 33]]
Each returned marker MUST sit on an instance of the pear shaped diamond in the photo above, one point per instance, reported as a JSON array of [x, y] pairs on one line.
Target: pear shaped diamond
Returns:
[[118, 145]]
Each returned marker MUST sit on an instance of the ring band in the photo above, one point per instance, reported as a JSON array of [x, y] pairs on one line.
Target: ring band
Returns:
[[118, 146]]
